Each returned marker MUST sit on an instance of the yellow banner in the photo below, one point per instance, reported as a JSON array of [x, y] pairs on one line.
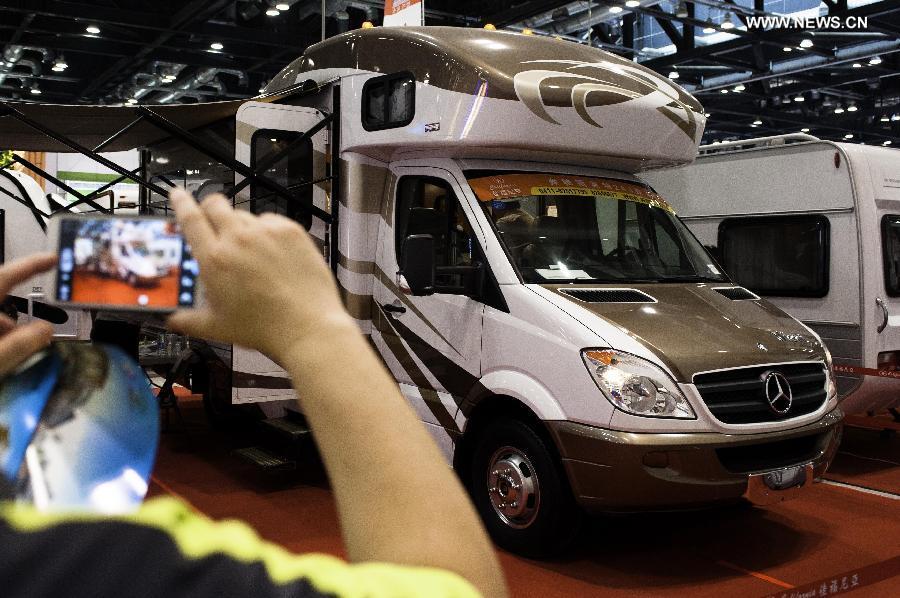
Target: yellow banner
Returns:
[[511, 186]]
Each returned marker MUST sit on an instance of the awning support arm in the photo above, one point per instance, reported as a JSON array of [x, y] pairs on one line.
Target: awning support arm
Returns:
[[42, 173], [120, 132]]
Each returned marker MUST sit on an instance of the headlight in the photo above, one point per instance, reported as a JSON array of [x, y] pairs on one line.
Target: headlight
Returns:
[[635, 385]]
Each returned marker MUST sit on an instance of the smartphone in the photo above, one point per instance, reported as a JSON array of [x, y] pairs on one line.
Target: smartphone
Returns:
[[128, 263]]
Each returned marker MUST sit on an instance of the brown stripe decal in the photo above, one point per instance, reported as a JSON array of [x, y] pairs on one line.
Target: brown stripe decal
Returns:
[[356, 266], [456, 379], [385, 326]]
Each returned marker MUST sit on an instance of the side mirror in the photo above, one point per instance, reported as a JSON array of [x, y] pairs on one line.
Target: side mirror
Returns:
[[417, 264]]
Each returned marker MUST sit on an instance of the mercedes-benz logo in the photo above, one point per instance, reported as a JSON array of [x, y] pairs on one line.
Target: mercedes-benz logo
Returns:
[[778, 393]]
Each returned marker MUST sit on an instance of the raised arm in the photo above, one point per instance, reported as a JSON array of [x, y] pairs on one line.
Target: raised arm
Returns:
[[268, 288]]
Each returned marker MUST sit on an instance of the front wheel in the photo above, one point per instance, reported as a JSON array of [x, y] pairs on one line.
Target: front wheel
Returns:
[[521, 492]]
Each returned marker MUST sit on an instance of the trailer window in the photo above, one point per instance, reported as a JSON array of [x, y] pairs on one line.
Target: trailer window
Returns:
[[428, 206], [389, 102], [293, 171], [783, 256], [890, 243]]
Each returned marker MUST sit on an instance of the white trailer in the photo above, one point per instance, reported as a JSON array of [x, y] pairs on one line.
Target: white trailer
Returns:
[[814, 227], [24, 208]]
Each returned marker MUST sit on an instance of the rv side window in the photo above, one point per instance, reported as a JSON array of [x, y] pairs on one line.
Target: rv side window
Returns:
[[291, 171], [428, 206], [389, 102], [782, 256], [890, 243]]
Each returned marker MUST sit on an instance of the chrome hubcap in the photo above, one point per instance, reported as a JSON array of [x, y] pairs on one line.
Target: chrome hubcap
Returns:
[[513, 487]]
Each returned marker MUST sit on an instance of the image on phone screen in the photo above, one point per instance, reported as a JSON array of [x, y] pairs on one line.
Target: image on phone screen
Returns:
[[124, 262]]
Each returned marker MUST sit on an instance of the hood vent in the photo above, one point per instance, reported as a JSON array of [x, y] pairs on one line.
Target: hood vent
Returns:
[[609, 295], [737, 293]]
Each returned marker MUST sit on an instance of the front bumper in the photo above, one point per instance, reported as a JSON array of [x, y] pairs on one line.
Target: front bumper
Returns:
[[622, 471]]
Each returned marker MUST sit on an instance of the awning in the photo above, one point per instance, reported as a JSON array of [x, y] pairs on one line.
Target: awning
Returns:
[[90, 126]]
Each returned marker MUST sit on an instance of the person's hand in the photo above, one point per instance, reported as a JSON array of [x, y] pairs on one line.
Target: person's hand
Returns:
[[18, 343], [266, 286]]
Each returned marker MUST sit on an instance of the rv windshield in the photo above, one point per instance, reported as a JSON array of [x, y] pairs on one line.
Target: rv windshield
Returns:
[[564, 228]]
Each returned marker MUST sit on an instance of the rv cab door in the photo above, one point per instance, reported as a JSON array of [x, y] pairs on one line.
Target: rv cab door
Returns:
[[432, 344], [263, 130]]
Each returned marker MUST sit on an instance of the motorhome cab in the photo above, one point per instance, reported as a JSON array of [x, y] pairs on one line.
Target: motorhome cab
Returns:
[[813, 226], [564, 337], [559, 330]]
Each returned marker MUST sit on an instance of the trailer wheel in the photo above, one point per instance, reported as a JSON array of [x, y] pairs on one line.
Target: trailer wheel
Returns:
[[520, 490]]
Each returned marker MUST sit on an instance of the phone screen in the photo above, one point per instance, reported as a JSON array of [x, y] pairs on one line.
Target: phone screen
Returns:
[[140, 263]]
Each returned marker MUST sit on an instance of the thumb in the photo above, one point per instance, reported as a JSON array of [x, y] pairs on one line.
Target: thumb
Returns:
[[193, 322]]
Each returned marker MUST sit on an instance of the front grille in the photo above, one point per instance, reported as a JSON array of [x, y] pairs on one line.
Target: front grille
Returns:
[[609, 295], [736, 293], [770, 455], [739, 396]]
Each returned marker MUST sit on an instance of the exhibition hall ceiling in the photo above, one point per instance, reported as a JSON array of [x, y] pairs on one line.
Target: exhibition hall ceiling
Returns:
[[832, 71]]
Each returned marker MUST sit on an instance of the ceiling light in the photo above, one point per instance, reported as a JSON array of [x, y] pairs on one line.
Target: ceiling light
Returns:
[[674, 75], [806, 43], [839, 109], [857, 65], [787, 48], [799, 98], [852, 108], [262, 86], [727, 23], [804, 130], [895, 117], [92, 29], [757, 122], [162, 160], [282, 6], [615, 9], [875, 60], [131, 101], [370, 25], [35, 90], [885, 118], [848, 136], [216, 45], [739, 87], [709, 29], [632, 4], [681, 10], [724, 91], [707, 114], [60, 63], [888, 142], [273, 12]]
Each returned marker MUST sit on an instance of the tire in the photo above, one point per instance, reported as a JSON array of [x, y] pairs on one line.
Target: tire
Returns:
[[540, 518], [132, 280]]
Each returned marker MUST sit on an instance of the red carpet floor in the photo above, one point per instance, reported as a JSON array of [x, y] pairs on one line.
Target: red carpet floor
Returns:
[[825, 537]]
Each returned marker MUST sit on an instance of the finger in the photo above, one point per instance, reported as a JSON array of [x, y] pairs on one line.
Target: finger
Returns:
[[22, 343], [193, 322], [219, 212], [6, 324], [21, 270], [196, 228]]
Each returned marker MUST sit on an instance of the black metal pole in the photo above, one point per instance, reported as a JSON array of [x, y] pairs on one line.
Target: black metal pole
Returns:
[[120, 132], [39, 171], [336, 187], [78, 148]]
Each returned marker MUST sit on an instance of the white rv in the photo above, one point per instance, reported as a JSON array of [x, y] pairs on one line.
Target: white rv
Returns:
[[23, 220], [562, 335], [814, 227]]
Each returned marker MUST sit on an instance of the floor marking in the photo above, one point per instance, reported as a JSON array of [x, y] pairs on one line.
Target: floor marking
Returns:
[[869, 458], [757, 575], [168, 490], [867, 490]]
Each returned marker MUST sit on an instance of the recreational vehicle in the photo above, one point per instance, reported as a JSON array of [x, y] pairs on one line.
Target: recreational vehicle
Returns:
[[562, 335], [814, 227]]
